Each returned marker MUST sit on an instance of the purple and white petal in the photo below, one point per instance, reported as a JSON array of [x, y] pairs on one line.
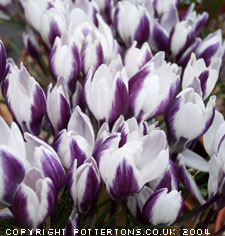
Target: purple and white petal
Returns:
[[58, 105], [212, 138], [189, 181], [188, 107], [193, 160], [12, 173]]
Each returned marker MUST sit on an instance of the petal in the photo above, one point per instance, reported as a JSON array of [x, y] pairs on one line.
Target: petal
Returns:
[[12, 173], [189, 181], [193, 160], [214, 134], [88, 183]]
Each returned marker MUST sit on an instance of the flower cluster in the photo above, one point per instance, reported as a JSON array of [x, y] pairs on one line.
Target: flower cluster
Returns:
[[119, 70]]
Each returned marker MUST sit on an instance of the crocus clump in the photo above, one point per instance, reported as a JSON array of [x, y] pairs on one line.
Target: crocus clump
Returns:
[[126, 95]]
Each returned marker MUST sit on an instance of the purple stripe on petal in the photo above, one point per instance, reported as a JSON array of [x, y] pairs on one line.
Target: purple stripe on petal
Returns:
[[57, 140], [123, 136], [38, 110], [169, 114], [209, 52], [2, 61], [70, 179], [135, 85], [164, 104], [65, 113], [76, 69], [187, 12], [142, 33], [189, 41], [100, 56], [184, 59], [19, 208], [32, 50], [115, 20], [125, 182], [102, 145], [170, 178], [53, 169], [73, 224], [13, 174], [161, 39], [188, 182], [200, 24], [92, 187], [51, 61], [203, 77], [220, 143], [77, 153], [54, 32], [120, 103]]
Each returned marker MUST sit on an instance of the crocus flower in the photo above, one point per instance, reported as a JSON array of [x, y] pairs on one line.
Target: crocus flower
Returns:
[[77, 142], [110, 86], [58, 105], [91, 53], [65, 49], [41, 155], [34, 10], [25, 98], [53, 24], [132, 22], [185, 31], [212, 46], [156, 208], [197, 72], [162, 7], [135, 58], [125, 170], [84, 184], [34, 200], [163, 207], [153, 88], [188, 108]]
